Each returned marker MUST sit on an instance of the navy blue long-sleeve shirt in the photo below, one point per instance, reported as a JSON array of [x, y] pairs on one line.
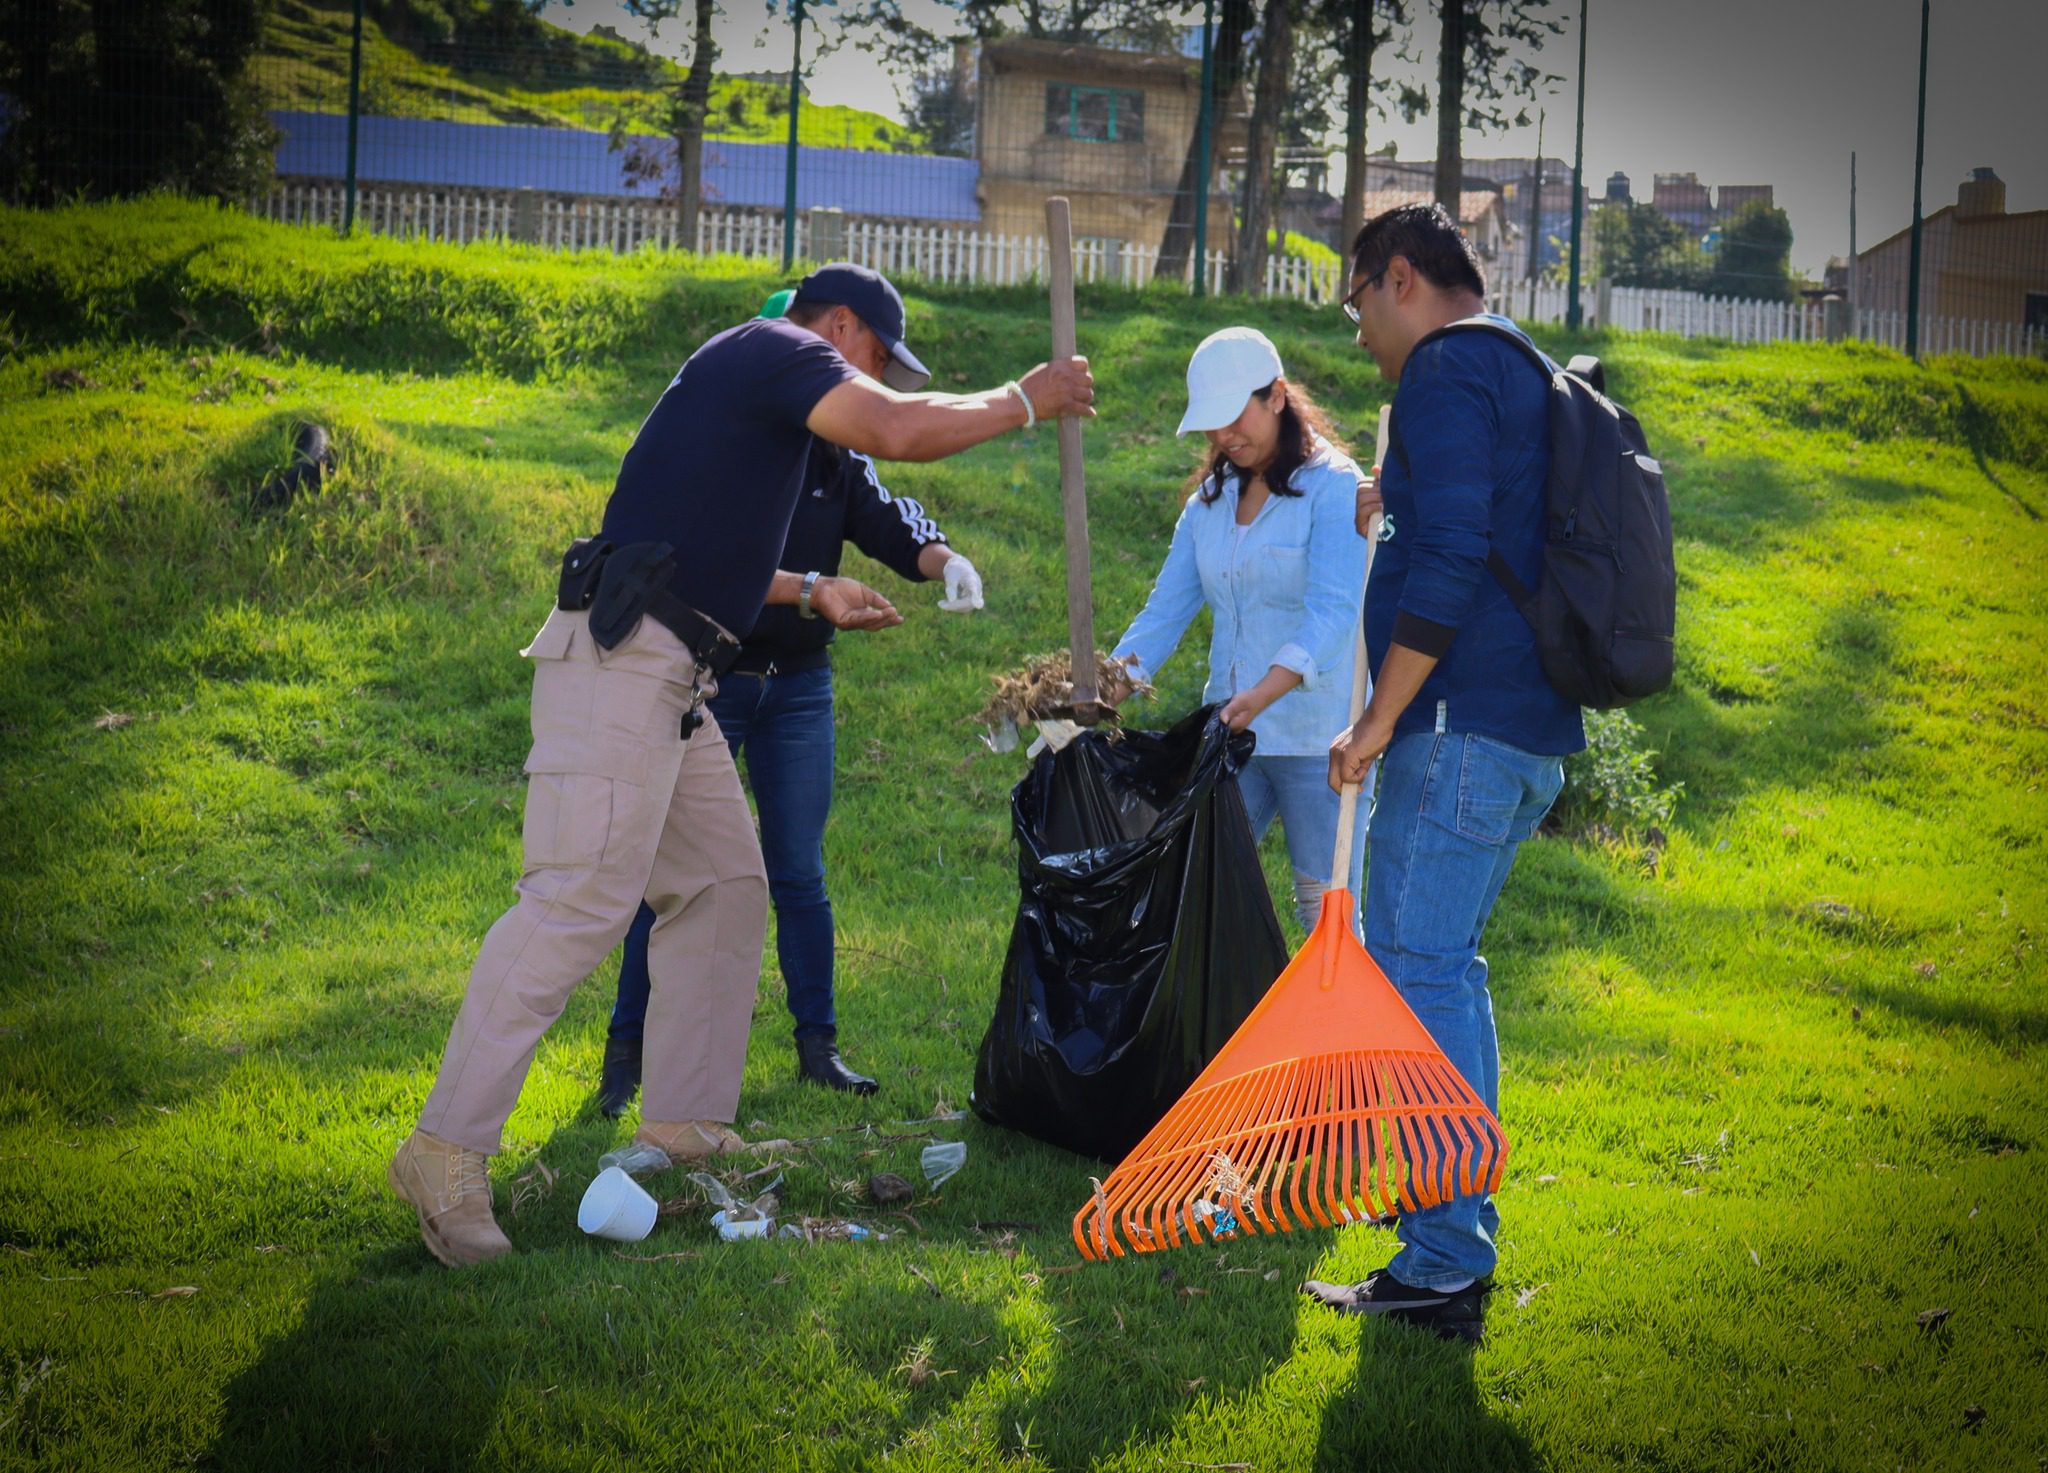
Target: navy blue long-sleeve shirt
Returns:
[[1471, 418], [843, 501]]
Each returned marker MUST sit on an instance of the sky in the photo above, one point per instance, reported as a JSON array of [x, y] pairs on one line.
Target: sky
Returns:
[[1775, 92]]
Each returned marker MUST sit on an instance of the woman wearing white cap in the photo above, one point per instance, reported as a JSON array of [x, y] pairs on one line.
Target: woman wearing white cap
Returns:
[[1267, 542]]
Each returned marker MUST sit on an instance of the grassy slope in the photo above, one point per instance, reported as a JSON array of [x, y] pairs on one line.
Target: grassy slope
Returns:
[[304, 65], [1768, 1103]]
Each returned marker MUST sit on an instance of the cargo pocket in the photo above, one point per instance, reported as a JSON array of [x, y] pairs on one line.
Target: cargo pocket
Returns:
[[573, 791], [568, 820], [552, 640]]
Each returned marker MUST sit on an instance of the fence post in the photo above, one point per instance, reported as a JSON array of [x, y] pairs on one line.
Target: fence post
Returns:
[[355, 101], [1919, 160], [1202, 146], [1571, 315]]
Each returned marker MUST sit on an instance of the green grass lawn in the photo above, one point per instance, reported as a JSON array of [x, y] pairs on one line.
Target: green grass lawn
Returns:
[[1771, 1097], [582, 82]]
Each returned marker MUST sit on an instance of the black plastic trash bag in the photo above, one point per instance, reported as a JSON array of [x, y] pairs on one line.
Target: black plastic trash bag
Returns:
[[1144, 934]]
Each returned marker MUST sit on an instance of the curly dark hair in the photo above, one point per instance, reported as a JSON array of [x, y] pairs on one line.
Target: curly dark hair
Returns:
[[1301, 421]]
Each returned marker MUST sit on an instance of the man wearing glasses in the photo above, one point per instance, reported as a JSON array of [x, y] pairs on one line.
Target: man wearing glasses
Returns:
[[1470, 735]]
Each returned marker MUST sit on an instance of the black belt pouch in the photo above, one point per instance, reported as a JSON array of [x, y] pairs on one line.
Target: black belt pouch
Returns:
[[582, 567], [633, 576]]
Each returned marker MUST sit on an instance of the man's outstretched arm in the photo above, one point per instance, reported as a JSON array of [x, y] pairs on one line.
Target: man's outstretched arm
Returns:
[[866, 416]]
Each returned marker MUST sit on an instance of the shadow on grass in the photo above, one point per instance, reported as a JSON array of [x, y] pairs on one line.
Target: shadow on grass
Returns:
[[2013, 1028], [1823, 723], [1414, 1404], [599, 1354]]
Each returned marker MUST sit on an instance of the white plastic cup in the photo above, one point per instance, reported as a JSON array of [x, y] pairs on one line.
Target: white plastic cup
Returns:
[[616, 1207]]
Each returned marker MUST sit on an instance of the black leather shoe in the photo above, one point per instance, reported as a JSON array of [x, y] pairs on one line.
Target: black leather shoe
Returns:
[[1455, 1314], [621, 1079], [817, 1059]]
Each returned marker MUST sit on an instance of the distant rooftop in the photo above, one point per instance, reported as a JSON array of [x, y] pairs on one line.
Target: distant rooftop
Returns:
[[427, 152]]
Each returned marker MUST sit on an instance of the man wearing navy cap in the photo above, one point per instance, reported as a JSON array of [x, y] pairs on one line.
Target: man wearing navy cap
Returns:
[[775, 706], [632, 792]]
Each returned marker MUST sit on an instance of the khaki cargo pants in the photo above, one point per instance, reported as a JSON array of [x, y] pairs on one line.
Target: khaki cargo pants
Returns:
[[618, 807]]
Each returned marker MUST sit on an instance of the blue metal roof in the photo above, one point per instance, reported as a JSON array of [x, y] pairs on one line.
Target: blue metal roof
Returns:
[[428, 152]]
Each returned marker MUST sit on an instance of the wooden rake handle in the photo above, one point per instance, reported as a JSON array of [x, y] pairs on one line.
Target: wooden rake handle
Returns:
[[1059, 230], [1347, 812]]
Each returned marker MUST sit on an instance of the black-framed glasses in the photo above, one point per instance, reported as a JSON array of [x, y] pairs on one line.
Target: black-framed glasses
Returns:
[[1351, 302]]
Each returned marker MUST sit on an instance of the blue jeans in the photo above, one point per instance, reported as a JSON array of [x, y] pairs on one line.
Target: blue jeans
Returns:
[[783, 723], [1449, 812], [1297, 791]]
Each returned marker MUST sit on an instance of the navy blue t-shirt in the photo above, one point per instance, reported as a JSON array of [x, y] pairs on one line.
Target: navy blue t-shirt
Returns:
[[717, 467], [1472, 419]]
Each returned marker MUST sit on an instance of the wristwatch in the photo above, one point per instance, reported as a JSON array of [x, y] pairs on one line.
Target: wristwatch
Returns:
[[803, 596]]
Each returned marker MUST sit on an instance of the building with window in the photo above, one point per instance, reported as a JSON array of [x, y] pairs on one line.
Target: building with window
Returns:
[[1108, 128], [1977, 262]]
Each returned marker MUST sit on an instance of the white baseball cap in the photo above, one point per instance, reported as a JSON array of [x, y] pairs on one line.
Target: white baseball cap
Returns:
[[1227, 369]]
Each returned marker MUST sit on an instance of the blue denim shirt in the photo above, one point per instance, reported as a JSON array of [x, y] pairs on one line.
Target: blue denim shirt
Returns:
[[1289, 592]]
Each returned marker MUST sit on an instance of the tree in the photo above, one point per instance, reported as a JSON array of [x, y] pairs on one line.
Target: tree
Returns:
[[1361, 38], [1479, 68], [942, 111], [1754, 256], [1637, 245], [1450, 108], [109, 98], [1276, 45], [681, 177]]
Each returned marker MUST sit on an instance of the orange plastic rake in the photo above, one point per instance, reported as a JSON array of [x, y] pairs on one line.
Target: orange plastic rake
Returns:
[[1330, 1104]]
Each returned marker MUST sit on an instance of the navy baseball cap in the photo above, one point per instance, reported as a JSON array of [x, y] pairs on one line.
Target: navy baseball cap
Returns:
[[876, 303]]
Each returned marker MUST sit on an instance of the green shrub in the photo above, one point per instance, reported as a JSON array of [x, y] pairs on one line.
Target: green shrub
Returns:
[[1614, 781]]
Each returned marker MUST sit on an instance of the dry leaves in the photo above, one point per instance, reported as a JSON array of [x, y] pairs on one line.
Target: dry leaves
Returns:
[[1929, 1319], [186, 1291], [531, 1187], [112, 720], [1044, 689]]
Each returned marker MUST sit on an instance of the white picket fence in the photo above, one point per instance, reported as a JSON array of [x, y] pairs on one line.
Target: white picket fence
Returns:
[[948, 253], [1692, 315]]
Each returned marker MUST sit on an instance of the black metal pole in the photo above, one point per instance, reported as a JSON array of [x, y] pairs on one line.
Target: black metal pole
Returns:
[[1536, 218], [1572, 315], [355, 102], [1919, 162], [796, 57], [1202, 154]]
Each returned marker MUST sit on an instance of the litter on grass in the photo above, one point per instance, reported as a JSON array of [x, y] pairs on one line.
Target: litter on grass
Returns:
[[832, 1230], [733, 1229], [942, 1160], [636, 1158]]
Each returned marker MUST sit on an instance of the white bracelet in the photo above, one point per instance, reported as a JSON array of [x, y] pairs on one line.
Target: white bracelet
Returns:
[[1030, 414]]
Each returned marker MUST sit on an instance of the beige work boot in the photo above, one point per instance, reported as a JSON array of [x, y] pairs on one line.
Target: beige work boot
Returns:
[[689, 1140], [451, 1189]]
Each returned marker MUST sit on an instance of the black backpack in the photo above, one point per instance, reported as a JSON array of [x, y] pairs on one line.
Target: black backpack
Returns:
[[1607, 603]]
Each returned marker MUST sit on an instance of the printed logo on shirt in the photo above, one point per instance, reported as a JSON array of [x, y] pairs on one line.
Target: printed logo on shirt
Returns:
[[1386, 528]]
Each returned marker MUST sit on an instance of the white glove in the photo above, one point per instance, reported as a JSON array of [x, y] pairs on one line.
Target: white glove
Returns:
[[963, 586]]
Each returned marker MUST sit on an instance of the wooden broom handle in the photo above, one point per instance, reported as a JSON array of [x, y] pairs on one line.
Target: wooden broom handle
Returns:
[[1347, 812], [1059, 231]]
